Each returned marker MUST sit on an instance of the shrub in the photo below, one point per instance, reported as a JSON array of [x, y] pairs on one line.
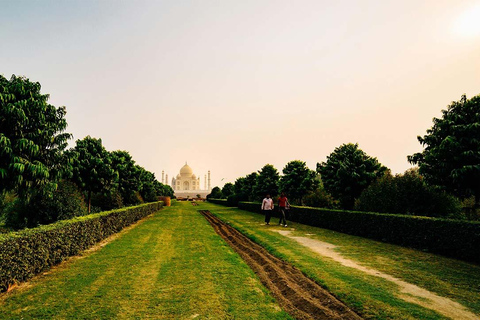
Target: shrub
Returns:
[[217, 201], [408, 194], [320, 199], [232, 200], [454, 238], [107, 201], [31, 251], [64, 203]]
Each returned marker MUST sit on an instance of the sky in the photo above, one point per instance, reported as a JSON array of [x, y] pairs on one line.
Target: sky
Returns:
[[229, 86]]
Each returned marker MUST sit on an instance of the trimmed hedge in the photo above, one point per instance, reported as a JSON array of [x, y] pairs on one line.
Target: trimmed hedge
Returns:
[[454, 238], [223, 202], [26, 253]]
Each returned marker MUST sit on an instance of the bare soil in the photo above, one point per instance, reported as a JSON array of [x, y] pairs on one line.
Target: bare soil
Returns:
[[297, 294]]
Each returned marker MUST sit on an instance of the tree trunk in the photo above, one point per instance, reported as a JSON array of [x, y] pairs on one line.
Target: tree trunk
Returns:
[[89, 200]]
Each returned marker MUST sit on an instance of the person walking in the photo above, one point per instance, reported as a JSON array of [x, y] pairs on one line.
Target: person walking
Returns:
[[283, 206], [267, 208]]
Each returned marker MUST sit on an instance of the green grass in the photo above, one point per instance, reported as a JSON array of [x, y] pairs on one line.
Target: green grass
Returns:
[[170, 266], [373, 297]]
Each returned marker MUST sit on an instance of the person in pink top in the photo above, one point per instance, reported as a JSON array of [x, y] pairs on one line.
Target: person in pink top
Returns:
[[267, 208], [283, 205]]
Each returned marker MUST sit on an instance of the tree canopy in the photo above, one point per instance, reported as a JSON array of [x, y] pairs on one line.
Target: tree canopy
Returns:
[[451, 155], [267, 181], [227, 190], [32, 138], [298, 180], [347, 172], [92, 167]]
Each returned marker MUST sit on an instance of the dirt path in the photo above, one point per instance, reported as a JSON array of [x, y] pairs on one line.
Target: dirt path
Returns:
[[409, 292], [298, 295]]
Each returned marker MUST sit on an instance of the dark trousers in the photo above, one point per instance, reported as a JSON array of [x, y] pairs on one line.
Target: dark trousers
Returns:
[[268, 215], [283, 216]]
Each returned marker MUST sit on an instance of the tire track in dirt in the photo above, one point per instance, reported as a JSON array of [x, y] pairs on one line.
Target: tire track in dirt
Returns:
[[297, 294]]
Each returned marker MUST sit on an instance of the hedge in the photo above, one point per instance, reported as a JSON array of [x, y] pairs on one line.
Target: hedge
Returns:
[[223, 202], [454, 238], [26, 253]]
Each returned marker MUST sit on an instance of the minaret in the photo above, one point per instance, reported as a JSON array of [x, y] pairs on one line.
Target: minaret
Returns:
[[166, 178], [163, 177], [205, 183], [209, 186]]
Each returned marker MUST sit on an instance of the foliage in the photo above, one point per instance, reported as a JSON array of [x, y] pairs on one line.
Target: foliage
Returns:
[[227, 190], [451, 158], [148, 189], [320, 199], [31, 251], [266, 182], [347, 172], [216, 193], [32, 138], [92, 167], [109, 200], [248, 188], [163, 190], [298, 180], [65, 203], [453, 238], [408, 194], [128, 176]]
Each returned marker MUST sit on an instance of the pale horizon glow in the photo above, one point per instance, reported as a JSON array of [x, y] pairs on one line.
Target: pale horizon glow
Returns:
[[229, 86]]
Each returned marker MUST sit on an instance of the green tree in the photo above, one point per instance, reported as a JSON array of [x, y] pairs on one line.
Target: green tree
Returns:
[[32, 138], [239, 185], [147, 186], [451, 155], [227, 190], [216, 193], [408, 194], [298, 180], [249, 186], [129, 182], [267, 182], [92, 169], [347, 172]]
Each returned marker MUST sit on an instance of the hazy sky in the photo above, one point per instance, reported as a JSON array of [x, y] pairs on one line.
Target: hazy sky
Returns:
[[230, 86]]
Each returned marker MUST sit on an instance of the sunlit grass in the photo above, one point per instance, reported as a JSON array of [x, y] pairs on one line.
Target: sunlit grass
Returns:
[[371, 296]]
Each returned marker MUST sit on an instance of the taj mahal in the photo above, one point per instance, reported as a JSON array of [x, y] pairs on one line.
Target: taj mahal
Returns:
[[187, 185]]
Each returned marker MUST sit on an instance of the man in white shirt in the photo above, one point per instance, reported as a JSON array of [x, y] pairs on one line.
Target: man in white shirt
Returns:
[[267, 208]]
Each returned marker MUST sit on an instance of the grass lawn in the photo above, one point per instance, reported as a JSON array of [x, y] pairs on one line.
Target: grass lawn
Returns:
[[172, 265], [372, 297]]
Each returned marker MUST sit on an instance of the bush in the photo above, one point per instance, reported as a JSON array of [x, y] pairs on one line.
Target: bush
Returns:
[[31, 251], [217, 201], [454, 238], [408, 194], [232, 200], [65, 203], [107, 201], [320, 199]]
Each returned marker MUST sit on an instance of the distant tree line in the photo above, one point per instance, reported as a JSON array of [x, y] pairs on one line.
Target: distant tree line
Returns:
[[41, 181], [446, 182]]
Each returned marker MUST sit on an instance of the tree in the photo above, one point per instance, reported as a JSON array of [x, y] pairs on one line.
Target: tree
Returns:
[[267, 182], [128, 176], [451, 155], [408, 194], [32, 138], [347, 172], [92, 169], [248, 188], [227, 190], [216, 193], [239, 185], [298, 180], [147, 184]]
